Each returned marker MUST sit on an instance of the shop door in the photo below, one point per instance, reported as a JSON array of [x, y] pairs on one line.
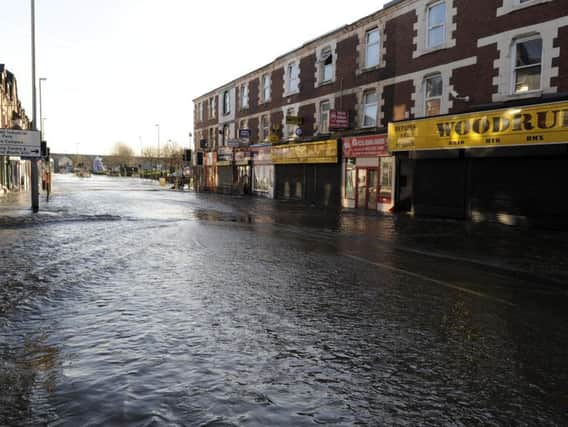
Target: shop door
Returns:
[[367, 180]]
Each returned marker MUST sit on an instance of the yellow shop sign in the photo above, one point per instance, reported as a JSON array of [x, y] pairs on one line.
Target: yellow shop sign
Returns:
[[541, 124], [311, 152]]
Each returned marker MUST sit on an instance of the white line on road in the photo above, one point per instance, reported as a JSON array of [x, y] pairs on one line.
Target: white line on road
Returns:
[[430, 279]]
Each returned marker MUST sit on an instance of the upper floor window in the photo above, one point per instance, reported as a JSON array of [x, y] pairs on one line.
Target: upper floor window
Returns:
[[326, 61], [433, 95], [200, 111], [244, 97], [370, 108], [226, 135], [264, 127], [372, 48], [293, 76], [436, 32], [226, 102], [289, 129], [324, 108], [265, 89], [528, 65], [211, 107]]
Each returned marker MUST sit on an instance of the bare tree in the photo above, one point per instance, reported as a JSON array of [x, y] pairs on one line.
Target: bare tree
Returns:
[[122, 155]]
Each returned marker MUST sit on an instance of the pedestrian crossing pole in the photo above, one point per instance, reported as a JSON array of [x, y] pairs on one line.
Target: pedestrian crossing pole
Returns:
[[35, 180]]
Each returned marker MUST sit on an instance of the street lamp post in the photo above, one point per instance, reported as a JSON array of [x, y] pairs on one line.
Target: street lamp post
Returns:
[[35, 180], [158, 127], [41, 79]]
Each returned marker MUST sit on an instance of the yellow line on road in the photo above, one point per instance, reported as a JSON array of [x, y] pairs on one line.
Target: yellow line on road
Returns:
[[431, 280]]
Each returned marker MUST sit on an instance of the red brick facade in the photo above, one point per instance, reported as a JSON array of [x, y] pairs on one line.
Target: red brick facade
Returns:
[[467, 63]]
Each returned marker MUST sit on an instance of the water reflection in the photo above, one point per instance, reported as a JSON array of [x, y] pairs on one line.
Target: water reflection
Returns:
[[124, 304]]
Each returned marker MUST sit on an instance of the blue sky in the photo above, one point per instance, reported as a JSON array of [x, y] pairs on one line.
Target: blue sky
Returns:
[[115, 68]]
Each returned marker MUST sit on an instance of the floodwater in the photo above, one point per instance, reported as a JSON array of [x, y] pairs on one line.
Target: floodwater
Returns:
[[125, 304]]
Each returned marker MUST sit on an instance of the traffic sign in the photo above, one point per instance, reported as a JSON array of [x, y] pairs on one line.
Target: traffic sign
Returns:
[[15, 142]]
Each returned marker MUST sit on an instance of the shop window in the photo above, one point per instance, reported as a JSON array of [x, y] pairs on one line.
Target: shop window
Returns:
[[370, 108], [324, 108], [433, 95], [298, 194], [372, 48], [528, 65], [436, 31], [386, 180], [350, 181]]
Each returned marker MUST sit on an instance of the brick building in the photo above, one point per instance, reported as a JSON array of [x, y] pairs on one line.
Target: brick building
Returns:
[[14, 174], [411, 63]]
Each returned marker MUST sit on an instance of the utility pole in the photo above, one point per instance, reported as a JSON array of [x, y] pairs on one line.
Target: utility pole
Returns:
[[35, 180]]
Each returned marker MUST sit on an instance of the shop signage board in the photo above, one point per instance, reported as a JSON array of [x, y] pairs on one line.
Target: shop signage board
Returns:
[[24, 143], [311, 152], [225, 154], [261, 155], [244, 133], [338, 120], [517, 126], [273, 137], [294, 120], [365, 146], [233, 143]]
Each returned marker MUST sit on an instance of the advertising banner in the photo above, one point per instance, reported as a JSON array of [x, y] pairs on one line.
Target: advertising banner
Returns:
[[365, 146], [518, 126], [310, 152]]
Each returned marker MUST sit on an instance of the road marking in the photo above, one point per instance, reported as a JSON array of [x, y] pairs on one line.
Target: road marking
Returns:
[[432, 280]]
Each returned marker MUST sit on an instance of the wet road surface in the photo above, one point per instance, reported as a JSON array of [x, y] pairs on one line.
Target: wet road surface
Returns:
[[124, 304]]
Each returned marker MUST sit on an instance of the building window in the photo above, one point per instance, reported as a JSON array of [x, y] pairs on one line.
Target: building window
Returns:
[[436, 25], [324, 117], [372, 48], [226, 102], [244, 96], [289, 129], [225, 135], [528, 65], [326, 61], [433, 95], [200, 112], [265, 90], [264, 127], [212, 107], [293, 72], [370, 108], [211, 141]]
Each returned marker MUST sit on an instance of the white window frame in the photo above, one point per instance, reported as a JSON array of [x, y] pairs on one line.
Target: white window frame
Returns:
[[226, 102], [322, 65], [364, 106], [265, 88], [212, 107], [438, 97], [263, 136], [244, 97], [292, 77], [367, 46], [514, 5], [323, 126], [430, 28], [516, 42], [289, 130]]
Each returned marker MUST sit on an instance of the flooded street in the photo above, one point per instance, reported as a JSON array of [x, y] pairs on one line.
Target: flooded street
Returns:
[[125, 304]]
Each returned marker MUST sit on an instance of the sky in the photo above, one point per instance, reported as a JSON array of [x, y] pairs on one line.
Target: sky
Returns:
[[117, 68]]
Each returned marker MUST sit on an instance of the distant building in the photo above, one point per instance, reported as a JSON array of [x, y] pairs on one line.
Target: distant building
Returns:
[[98, 166], [14, 173]]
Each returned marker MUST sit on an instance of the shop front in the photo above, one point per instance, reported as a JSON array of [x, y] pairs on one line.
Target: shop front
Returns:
[[210, 171], [225, 170], [506, 165], [243, 169], [368, 171], [309, 172], [262, 171]]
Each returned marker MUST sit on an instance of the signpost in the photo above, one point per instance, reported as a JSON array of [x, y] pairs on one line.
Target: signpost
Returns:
[[23, 143]]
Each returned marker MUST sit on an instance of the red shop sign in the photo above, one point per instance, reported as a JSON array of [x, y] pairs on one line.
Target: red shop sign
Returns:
[[365, 146], [338, 119]]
